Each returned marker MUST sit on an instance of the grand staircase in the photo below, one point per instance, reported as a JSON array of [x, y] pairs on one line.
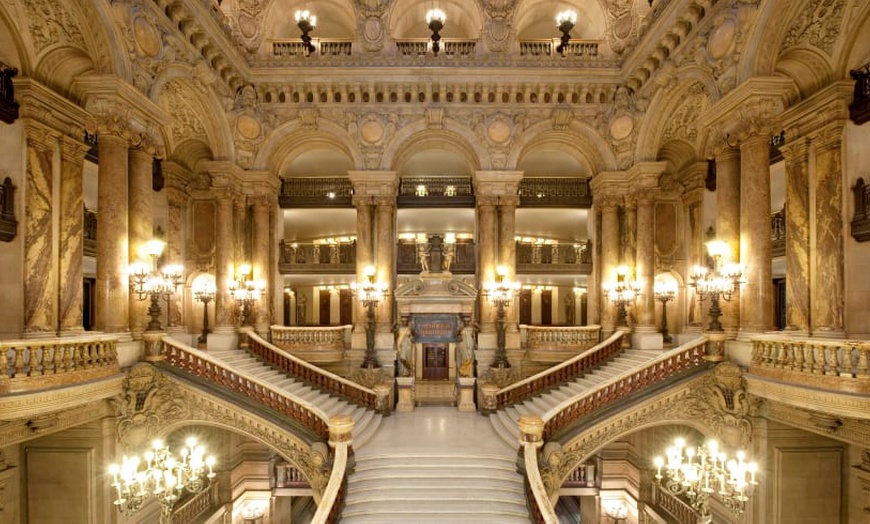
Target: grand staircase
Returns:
[[366, 421], [504, 421]]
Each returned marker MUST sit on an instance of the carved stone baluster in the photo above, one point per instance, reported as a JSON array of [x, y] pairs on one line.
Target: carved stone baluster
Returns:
[[799, 364], [862, 361], [48, 359], [19, 362], [33, 366], [830, 360], [4, 363], [58, 365]]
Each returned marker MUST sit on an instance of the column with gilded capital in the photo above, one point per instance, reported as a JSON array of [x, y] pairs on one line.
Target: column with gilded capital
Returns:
[[141, 224], [364, 248], [487, 256], [178, 202], [756, 296], [71, 230], [223, 261], [385, 216], [828, 307], [797, 235], [728, 223], [112, 286], [645, 263], [262, 257], [609, 208], [40, 271]]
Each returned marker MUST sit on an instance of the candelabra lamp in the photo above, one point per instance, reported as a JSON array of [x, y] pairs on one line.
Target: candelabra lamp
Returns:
[[565, 21], [665, 292], [699, 473], [146, 281], [246, 291], [204, 292], [500, 292], [306, 23], [719, 284], [622, 292], [370, 292], [161, 475], [435, 19]]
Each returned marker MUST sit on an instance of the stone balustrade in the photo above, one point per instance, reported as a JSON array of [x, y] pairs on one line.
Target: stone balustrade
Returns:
[[575, 337], [200, 365], [673, 506], [322, 47], [541, 509], [449, 46], [30, 365], [195, 505], [315, 344], [547, 47], [341, 450], [840, 365], [676, 362]]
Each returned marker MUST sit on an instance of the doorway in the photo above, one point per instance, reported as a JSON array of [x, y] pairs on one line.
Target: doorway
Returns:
[[435, 361]]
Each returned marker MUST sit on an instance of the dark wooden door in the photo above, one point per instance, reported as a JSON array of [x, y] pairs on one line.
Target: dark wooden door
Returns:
[[526, 306], [546, 307], [435, 361], [88, 303], [345, 307], [324, 307]]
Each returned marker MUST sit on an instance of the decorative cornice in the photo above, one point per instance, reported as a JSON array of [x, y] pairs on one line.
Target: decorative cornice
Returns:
[[831, 104], [43, 105], [837, 426], [71, 415], [757, 101], [797, 395], [109, 96], [27, 405], [374, 183]]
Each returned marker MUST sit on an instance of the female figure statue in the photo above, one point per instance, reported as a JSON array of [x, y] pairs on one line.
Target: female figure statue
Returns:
[[466, 350], [405, 349]]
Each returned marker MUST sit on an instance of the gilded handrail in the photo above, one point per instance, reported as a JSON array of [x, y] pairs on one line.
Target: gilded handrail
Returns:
[[201, 365], [542, 511], [320, 378], [329, 509], [655, 372]]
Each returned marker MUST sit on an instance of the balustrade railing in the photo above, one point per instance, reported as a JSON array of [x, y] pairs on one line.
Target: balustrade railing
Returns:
[[660, 370], [435, 192], [827, 364], [200, 365], [316, 344], [322, 47], [681, 512], [90, 233], [327, 382], [555, 376], [196, 505], [555, 192], [30, 365], [315, 192], [584, 476], [554, 257], [540, 509], [332, 501], [547, 47], [579, 338], [777, 233], [286, 475], [408, 262], [337, 257], [449, 46]]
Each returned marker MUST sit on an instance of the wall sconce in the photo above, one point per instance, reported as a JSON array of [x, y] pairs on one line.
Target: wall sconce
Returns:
[[306, 22], [435, 19], [565, 21]]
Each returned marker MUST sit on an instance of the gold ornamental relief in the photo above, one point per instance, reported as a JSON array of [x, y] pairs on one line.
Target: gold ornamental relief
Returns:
[[499, 131], [372, 131], [621, 127], [722, 40], [147, 37], [248, 126]]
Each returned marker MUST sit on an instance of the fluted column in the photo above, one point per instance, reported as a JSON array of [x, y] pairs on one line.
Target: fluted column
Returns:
[[364, 249], [261, 260], [486, 248], [71, 230], [797, 236], [223, 254], [112, 286], [728, 224], [645, 257], [141, 226], [386, 246], [40, 271], [828, 307], [756, 297], [609, 257]]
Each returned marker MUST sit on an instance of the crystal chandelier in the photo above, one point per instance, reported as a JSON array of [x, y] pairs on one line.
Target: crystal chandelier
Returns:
[[160, 474], [701, 472]]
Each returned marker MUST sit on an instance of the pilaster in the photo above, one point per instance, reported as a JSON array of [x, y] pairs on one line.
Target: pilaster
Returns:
[[71, 230], [797, 235]]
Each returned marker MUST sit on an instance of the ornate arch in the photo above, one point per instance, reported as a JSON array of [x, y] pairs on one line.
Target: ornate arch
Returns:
[[453, 136], [296, 137], [580, 140], [682, 105], [22, 51]]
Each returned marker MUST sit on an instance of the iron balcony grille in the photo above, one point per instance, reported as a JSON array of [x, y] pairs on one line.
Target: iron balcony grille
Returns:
[[555, 192], [316, 192], [435, 192]]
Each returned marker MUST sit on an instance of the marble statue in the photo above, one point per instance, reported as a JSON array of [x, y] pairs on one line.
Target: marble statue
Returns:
[[466, 350], [405, 349]]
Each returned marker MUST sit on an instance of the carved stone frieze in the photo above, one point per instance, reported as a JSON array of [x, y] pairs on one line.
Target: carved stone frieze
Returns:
[[682, 123], [251, 123], [186, 120], [817, 25], [372, 131], [52, 24], [247, 24], [148, 402], [622, 25], [498, 28], [371, 22]]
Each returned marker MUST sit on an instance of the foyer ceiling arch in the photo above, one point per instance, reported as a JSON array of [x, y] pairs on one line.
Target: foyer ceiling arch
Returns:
[[536, 19], [407, 18]]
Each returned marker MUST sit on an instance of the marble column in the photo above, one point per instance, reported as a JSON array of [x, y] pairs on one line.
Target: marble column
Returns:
[[593, 284], [827, 293], [507, 252], [141, 227], [260, 260], [692, 204], [797, 236], [386, 248], [727, 225], [629, 233], [645, 265], [224, 304], [364, 250], [177, 200], [71, 230], [486, 248], [756, 296], [40, 272], [240, 239], [112, 286], [610, 241]]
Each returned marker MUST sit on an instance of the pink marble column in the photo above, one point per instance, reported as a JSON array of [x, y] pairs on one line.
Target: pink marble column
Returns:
[[386, 247], [40, 272], [610, 242], [828, 306], [70, 299], [141, 227], [112, 287], [645, 265], [797, 235], [486, 248], [756, 296], [727, 225], [261, 260], [224, 304], [364, 250]]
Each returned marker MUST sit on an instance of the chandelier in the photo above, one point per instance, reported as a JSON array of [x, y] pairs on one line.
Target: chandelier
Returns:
[[148, 281], [306, 23], [622, 293], [435, 20], [159, 474], [246, 291], [720, 283], [701, 472], [500, 292], [370, 292], [565, 21]]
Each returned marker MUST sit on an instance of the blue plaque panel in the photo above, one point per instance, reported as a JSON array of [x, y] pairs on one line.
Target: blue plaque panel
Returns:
[[429, 329]]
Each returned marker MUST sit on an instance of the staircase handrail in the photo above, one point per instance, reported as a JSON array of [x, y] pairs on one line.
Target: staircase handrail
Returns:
[[329, 509], [322, 379], [560, 373], [201, 365], [541, 509], [655, 372]]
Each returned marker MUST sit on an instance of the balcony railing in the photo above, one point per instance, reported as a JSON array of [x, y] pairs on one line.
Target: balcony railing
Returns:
[[555, 192], [326, 47], [777, 233], [31, 365], [681, 512], [90, 233], [558, 343], [584, 476], [423, 46], [859, 109], [315, 192], [312, 258], [834, 365], [408, 263], [286, 475], [547, 47], [435, 192], [554, 258], [196, 505], [313, 344]]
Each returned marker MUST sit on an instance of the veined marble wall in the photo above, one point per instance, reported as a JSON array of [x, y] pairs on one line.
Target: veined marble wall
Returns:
[[12, 165]]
